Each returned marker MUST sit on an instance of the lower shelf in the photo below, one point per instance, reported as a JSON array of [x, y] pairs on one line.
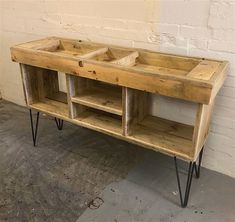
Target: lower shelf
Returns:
[[100, 122], [52, 107], [154, 133], [169, 136]]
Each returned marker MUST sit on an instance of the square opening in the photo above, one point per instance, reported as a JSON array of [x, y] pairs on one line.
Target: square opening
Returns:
[[97, 95], [43, 91], [155, 131]]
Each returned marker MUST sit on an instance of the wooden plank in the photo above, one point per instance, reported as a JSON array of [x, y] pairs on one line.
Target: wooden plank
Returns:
[[167, 60], [52, 107], [24, 83], [97, 98], [129, 110], [136, 108], [59, 96], [169, 136], [204, 70], [103, 122], [94, 53], [30, 83], [168, 85], [128, 60], [161, 70], [219, 78], [70, 92], [51, 82], [75, 86], [51, 45], [201, 128]]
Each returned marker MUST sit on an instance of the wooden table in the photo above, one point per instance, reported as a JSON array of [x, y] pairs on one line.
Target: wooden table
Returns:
[[109, 90]]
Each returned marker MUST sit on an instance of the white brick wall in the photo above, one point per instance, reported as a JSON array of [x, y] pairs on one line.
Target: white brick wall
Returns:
[[204, 28]]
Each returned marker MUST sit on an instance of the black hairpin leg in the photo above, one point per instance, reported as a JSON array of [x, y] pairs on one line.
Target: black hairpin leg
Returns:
[[34, 131], [59, 123], [197, 168], [192, 166]]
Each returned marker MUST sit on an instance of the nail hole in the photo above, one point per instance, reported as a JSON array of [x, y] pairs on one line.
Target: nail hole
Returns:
[[80, 63]]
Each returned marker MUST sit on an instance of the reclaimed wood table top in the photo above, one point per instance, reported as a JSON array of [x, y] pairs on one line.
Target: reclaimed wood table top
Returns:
[[188, 78]]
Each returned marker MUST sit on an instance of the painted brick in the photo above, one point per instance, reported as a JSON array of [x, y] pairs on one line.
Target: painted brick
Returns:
[[223, 46], [184, 12], [198, 44], [221, 34], [195, 32]]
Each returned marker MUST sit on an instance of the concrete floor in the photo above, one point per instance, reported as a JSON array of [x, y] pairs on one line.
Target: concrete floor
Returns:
[[80, 175]]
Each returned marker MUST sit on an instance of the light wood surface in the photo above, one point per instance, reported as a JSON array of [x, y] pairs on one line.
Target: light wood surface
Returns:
[[169, 136], [100, 121], [202, 125], [181, 77], [204, 70], [52, 107], [108, 101]]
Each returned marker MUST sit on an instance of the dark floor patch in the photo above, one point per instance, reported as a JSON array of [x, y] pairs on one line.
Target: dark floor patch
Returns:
[[58, 179]]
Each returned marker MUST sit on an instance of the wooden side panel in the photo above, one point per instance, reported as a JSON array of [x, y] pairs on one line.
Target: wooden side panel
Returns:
[[135, 108], [201, 128], [70, 92], [33, 83], [128, 109], [75, 86], [51, 83]]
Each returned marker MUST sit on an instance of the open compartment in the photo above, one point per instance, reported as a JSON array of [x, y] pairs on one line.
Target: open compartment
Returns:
[[83, 50], [98, 119], [95, 104], [152, 131], [95, 94], [42, 90], [65, 47], [165, 64]]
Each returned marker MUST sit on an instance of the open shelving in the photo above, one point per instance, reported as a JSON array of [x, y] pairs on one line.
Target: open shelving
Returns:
[[98, 95], [102, 121], [111, 89], [41, 88], [170, 136]]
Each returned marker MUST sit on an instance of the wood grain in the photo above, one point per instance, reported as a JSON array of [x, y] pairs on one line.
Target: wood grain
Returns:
[[108, 101], [170, 75]]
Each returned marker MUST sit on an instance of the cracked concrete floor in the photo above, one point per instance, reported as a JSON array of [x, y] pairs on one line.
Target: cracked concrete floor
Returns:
[[70, 169]]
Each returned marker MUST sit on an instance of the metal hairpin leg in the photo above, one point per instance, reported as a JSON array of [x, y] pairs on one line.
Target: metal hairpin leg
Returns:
[[59, 123], [34, 131], [197, 168], [192, 166]]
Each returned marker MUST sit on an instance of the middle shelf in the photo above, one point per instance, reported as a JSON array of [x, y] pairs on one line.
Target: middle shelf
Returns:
[[98, 98], [95, 94]]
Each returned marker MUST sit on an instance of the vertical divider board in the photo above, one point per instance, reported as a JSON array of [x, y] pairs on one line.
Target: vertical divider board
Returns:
[[75, 85], [135, 108], [201, 128]]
